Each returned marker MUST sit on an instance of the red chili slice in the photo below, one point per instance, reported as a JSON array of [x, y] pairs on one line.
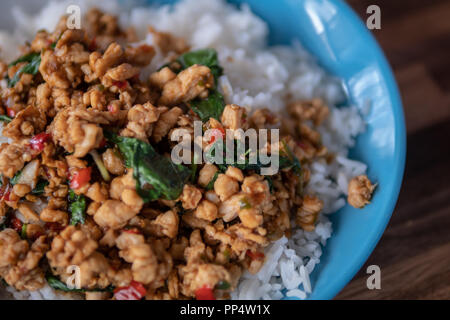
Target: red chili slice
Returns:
[[120, 84], [135, 291], [54, 226], [80, 177], [302, 145], [10, 112], [5, 191], [112, 109], [255, 255], [16, 224], [93, 45], [37, 143], [132, 231], [102, 144], [205, 293], [7, 194], [218, 133]]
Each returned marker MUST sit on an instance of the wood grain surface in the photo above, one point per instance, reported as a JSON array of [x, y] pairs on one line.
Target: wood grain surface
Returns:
[[414, 252]]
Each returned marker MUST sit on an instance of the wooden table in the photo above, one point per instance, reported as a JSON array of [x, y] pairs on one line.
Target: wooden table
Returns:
[[414, 252]]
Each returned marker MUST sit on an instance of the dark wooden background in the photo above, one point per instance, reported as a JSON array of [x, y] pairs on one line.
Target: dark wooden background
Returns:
[[414, 252]]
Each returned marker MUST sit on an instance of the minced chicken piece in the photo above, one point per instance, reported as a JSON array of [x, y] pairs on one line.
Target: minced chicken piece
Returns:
[[360, 191]]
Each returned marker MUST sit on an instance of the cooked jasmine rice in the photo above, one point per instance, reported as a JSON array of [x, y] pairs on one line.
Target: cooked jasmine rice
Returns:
[[256, 76]]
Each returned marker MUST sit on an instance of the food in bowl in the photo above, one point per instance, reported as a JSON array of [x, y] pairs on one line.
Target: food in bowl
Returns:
[[95, 205]]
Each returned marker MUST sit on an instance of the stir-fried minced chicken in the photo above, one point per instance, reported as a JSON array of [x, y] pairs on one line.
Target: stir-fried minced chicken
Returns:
[[360, 191], [86, 182]]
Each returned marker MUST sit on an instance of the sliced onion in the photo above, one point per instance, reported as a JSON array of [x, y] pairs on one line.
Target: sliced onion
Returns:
[[29, 174], [100, 165]]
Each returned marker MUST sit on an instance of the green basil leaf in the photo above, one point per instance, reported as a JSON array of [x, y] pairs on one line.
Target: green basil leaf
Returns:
[[40, 187], [6, 119], [210, 185], [57, 284], [211, 107], [156, 176], [270, 182], [77, 208], [31, 68], [223, 285], [23, 234], [193, 176], [26, 58], [205, 57], [16, 178], [290, 162]]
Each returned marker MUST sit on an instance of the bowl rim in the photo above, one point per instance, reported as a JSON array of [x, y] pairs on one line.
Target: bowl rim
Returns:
[[399, 153]]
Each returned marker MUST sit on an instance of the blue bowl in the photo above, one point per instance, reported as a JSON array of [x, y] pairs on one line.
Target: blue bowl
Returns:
[[343, 45]]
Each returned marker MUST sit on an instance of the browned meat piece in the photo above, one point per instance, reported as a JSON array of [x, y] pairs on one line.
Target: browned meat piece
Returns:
[[239, 238], [225, 187], [190, 197], [98, 192], [12, 248], [26, 123], [360, 191], [261, 118], [167, 120], [76, 247], [100, 64], [136, 251], [21, 190], [40, 41], [160, 78], [251, 217], [189, 84], [123, 72], [70, 247], [124, 188], [206, 174], [79, 131], [229, 209], [19, 264], [165, 225], [168, 42], [141, 121], [28, 213], [113, 162], [114, 214], [233, 117], [235, 173], [61, 68], [206, 210], [140, 56], [13, 158], [315, 110], [198, 274], [308, 212], [193, 222], [53, 215]]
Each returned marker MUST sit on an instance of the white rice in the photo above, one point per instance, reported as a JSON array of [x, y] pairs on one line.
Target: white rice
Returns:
[[256, 76]]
